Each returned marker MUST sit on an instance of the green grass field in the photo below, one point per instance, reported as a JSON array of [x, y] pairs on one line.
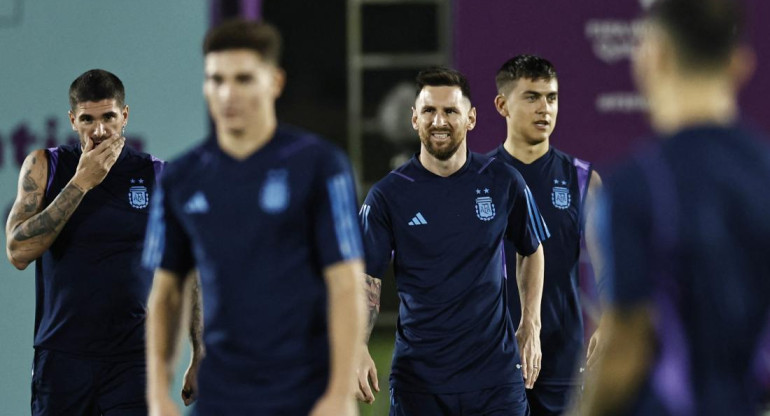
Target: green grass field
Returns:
[[381, 348]]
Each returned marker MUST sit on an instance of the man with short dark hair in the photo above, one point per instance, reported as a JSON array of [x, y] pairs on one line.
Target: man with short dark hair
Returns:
[[267, 214], [686, 228], [81, 214], [564, 188], [441, 218]]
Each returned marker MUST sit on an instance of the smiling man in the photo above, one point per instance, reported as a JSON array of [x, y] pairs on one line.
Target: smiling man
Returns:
[[564, 188], [81, 214], [267, 214], [441, 218]]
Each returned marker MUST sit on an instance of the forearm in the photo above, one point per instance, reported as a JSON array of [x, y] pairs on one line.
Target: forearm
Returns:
[[346, 330], [196, 319], [372, 290], [529, 279], [623, 365], [31, 238], [165, 314]]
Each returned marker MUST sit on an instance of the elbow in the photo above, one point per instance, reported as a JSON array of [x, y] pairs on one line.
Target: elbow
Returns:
[[13, 257]]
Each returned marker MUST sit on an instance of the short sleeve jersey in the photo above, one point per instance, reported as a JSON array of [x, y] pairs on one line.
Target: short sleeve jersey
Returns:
[[444, 236], [260, 232]]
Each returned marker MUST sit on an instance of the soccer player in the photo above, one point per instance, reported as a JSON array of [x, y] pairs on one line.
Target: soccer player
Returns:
[[81, 212], [267, 214], [563, 186], [441, 218], [687, 229]]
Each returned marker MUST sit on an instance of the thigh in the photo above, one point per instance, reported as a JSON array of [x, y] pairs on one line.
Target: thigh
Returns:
[[550, 400], [122, 387], [404, 403], [505, 400], [62, 385]]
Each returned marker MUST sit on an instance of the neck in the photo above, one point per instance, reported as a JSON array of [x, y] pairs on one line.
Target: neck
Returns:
[[242, 144], [525, 152], [447, 167], [691, 101]]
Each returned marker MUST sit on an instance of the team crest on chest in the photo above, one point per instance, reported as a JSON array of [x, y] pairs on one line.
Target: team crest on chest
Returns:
[[274, 196], [485, 208], [560, 196], [138, 196]]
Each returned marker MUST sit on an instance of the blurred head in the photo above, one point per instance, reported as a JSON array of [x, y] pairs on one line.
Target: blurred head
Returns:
[[97, 106], [527, 96], [690, 39], [242, 74], [442, 112]]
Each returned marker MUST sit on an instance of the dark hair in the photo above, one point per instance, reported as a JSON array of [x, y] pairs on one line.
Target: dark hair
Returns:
[[260, 37], [524, 66], [97, 85], [704, 32], [439, 76]]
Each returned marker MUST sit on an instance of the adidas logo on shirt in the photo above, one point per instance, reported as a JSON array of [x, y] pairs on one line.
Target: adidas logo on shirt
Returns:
[[418, 220], [197, 204]]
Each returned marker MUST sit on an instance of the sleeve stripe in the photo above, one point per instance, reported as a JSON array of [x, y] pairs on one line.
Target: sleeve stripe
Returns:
[[155, 240], [536, 220], [345, 223], [364, 214]]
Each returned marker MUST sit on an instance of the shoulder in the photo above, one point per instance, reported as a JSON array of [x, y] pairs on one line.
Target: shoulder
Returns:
[[495, 166], [193, 160]]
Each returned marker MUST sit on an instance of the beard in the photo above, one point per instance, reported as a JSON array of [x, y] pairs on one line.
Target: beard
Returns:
[[444, 151]]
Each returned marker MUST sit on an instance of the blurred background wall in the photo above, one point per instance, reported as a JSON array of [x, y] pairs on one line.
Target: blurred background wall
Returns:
[[350, 66]]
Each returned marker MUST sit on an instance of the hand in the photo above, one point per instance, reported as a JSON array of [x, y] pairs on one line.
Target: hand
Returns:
[[528, 338], [163, 406], [190, 384], [595, 349], [95, 163], [367, 372], [335, 405]]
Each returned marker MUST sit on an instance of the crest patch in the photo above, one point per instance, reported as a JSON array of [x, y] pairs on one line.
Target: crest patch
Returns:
[[138, 197], [274, 196]]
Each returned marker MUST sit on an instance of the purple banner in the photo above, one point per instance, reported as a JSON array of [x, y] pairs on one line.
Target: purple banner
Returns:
[[600, 114]]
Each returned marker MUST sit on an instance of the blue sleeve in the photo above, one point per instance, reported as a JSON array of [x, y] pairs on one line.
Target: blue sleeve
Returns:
[[337, 234], [626, 239], [167, 245], [526, 227], [378, 237]]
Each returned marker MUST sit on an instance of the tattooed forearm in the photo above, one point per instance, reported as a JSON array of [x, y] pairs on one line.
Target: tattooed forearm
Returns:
[[196, 317], [373, 288], [51, 220]]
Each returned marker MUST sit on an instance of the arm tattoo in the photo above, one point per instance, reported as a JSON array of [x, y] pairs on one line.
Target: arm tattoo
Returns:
[[196, 317], [373, 287], [51, 220]]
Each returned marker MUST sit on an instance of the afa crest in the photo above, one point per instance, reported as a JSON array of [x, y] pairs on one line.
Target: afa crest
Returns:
[[138, 197], [274, 196], [485, 209], [560, 197]]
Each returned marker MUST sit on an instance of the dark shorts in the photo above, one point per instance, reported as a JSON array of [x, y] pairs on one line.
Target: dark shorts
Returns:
[[63, 384], [549, 399], [507, 400]]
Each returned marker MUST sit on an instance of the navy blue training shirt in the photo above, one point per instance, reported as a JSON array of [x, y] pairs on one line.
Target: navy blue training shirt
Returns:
[[558, 183], [91, 289], [260, 231], [689, 234], [445, 238]]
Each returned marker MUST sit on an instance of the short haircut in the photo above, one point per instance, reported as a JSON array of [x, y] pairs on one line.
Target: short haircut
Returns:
[[438, 76], [703, 32], [97, 85], [260, 37], [524, 66]]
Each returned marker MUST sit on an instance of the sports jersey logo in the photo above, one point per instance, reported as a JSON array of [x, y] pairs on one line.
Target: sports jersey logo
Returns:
[[560, 196], [274, 196], [138, 196], [485, 209]]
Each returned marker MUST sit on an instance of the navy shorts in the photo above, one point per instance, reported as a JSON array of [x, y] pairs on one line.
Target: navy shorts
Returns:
[[63, 384], [506, 400], [550, 399]]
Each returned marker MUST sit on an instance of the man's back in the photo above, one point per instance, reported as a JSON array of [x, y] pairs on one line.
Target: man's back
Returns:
[[689, 224]]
